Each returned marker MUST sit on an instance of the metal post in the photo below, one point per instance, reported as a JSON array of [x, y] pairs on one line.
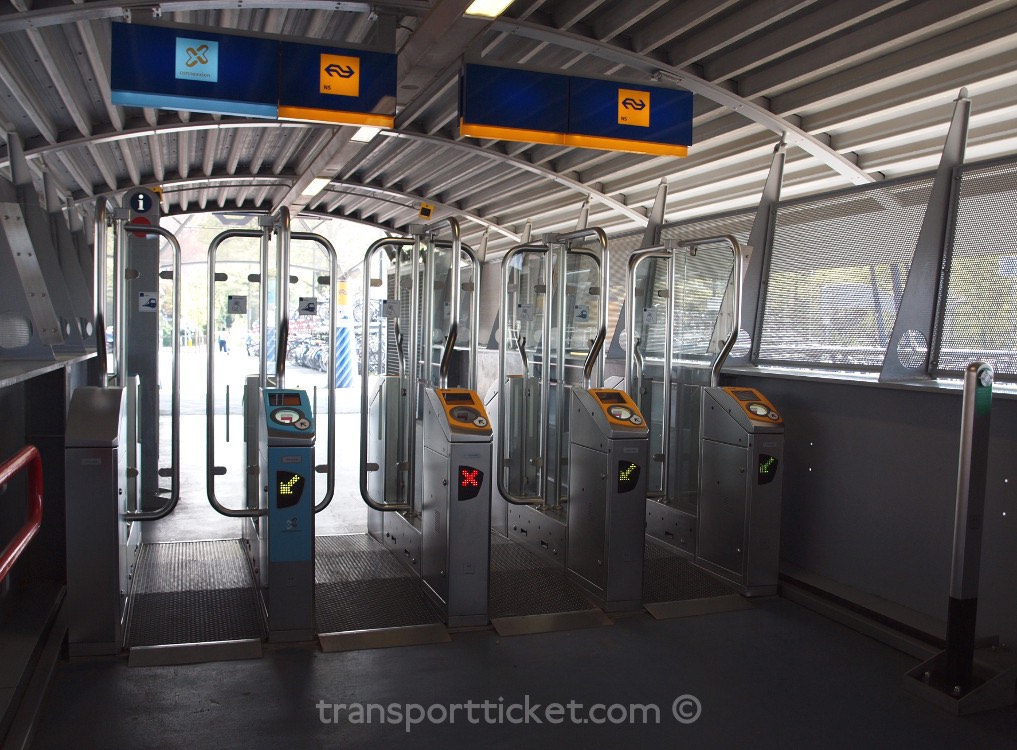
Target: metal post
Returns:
[[967, 530], [283, 296]]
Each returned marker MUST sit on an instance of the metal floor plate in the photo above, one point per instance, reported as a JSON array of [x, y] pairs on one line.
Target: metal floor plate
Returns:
[[667, 577], [359, 585], [523, 584], [194, 592]]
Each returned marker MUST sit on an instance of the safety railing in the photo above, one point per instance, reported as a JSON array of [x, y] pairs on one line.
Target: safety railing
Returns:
[[27, 458]]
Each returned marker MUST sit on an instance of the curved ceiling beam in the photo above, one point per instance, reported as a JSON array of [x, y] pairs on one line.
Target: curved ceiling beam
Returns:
[[182, 184], [793, 134], [144, 131], [526, 166], [97, 9], [357, 188]]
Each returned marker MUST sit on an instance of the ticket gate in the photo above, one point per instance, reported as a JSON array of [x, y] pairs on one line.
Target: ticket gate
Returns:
[[102, 545], [456, 504], [286, 547], [608, 450], [739, 508]]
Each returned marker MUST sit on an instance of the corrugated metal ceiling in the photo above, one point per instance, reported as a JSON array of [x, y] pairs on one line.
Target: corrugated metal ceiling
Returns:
[[862, 90]]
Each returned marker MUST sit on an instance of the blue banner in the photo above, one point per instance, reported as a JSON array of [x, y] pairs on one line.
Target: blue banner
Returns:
[[524, 105], [630, 112], [337, 85], [199, 71], [494, 101]]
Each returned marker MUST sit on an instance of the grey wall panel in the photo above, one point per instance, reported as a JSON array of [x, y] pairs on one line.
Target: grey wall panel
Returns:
[[870, 476]]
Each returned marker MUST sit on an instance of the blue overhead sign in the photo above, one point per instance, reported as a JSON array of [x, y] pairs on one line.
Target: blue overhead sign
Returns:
[[513, 104], [155, 66], [539, 107], [629, 117], [327, 84]]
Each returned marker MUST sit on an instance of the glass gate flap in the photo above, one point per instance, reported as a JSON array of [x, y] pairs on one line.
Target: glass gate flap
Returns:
[[419, 295], [552, 311], [685, 304]]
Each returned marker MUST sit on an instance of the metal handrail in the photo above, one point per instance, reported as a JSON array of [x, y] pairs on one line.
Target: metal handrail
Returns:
[[104, 210], [422, 241], [446, 354], [506, 262], [565, 240], [667, 252], [634, 358], [333, 285], [365, 318], [431, 230], [737, 272], [658, 251], [591, 357], [171, 503], [26, 457], [211, 470]]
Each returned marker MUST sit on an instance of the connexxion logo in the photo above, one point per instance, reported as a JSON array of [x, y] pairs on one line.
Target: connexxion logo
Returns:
[[197, 59]]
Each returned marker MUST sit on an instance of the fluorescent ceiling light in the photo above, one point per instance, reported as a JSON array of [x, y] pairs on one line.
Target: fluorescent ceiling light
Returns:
[[487, 8], [365, 134], [315, 186]]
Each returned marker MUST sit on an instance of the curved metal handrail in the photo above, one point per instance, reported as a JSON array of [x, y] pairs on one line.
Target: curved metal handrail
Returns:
[[211, 470], [506, 261], [283, 236], [365, 317], [737, 272], [174, 472], [27, 457], [333, 272], [634, 357], [591, 357], [104, 210], [446, 354]]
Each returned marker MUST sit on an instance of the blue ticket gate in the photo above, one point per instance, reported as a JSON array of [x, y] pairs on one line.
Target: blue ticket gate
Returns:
[[286, 546]]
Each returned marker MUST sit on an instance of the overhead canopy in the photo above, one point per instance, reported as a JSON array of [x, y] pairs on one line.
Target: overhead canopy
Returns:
[[861, 91]]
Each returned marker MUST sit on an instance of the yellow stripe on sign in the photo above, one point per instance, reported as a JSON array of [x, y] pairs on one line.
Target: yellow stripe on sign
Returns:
[[511, 134], [634, 108], [310, 114], [340, 75], [619, 144]]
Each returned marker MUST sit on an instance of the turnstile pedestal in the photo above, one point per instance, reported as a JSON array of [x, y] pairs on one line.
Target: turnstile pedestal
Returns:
[[456, 504], [287, 544], [608, 452]]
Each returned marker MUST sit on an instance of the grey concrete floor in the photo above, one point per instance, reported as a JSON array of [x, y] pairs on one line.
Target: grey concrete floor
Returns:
[[773, 676]]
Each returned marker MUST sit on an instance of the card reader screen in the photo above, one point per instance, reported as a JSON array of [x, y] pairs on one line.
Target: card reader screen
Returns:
[[284, 399], [457, 398], [610, 397]]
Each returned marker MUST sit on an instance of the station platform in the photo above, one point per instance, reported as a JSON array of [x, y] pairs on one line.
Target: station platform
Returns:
[[772, 676]]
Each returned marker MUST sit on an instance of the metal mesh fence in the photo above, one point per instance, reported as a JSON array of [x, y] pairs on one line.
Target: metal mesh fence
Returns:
[[837, 272], [980, 316]]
